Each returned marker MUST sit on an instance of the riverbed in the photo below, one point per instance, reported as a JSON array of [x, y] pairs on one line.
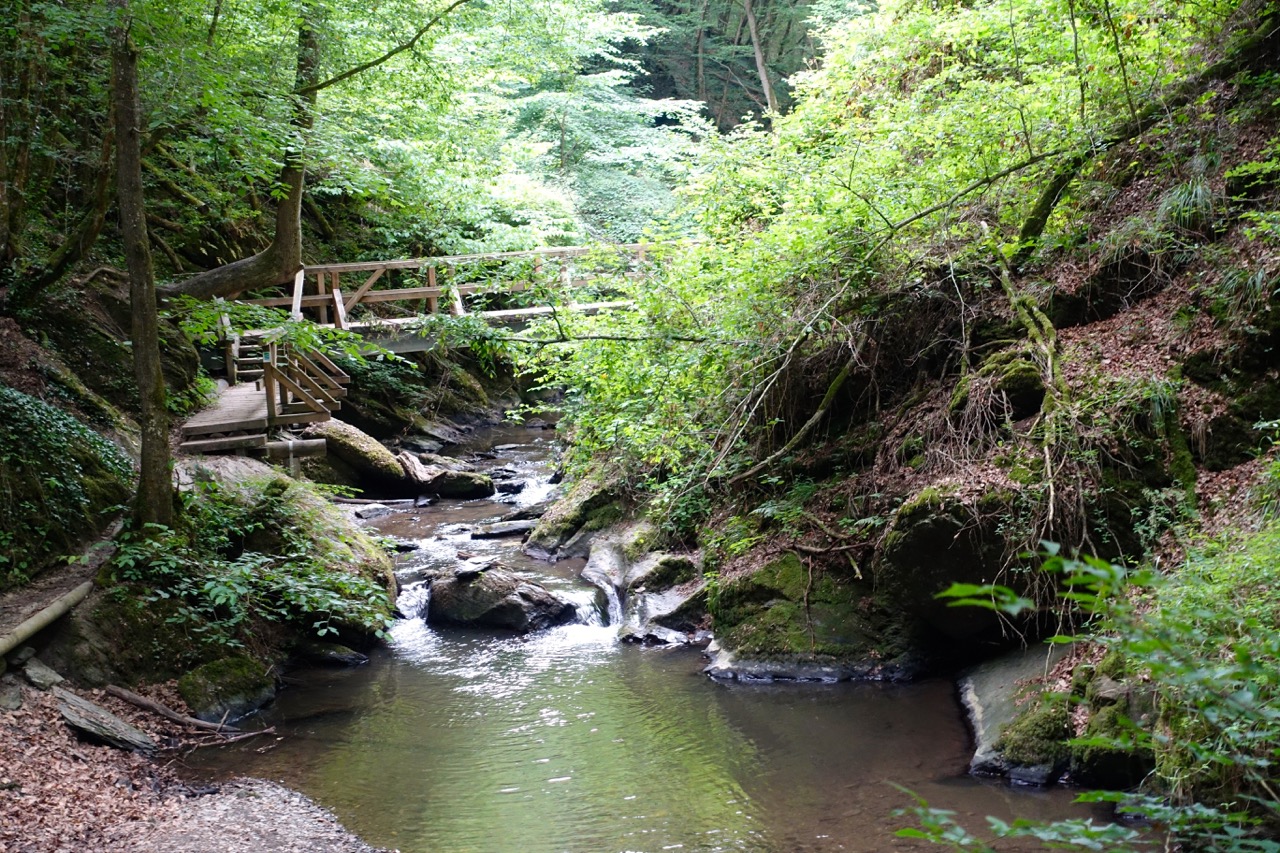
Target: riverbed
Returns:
[[452, 740]]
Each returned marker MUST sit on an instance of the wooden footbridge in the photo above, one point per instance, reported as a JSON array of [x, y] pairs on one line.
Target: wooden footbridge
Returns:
[[272, 385]]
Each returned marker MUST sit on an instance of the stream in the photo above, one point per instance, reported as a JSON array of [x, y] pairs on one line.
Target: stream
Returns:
[[452, 740]]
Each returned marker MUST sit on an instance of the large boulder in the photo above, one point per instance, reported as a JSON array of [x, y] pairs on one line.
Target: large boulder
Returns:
[[452, 482], [782, 621], [361, 452], [495, 598], [227, 688], [939, 538]]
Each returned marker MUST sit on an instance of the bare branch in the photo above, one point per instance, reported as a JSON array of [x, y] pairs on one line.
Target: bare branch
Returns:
[[374, 63]]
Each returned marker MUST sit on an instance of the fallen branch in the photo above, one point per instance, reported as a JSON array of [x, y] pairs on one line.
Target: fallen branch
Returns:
[[164, 710], [804, 431], [226, 741]]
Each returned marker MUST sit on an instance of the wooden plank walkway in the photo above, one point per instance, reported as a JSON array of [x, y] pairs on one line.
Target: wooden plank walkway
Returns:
[[239, 408]]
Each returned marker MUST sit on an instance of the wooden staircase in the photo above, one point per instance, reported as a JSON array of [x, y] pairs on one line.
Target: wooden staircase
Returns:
[[271, 385]]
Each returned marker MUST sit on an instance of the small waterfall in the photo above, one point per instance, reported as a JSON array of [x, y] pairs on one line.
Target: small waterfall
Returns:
[[414, 600]]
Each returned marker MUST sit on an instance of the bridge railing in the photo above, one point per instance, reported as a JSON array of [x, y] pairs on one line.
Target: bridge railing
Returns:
[[332, 291], [300, 386]]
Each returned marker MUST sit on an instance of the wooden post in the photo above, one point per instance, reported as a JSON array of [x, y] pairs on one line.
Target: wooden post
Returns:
[[269, 380], [457, 308], [428, 304], [298, 281], [339, 310], [322, 288]]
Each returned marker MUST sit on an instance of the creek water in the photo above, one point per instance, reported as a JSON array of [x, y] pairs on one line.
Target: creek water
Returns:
[[454, 740]]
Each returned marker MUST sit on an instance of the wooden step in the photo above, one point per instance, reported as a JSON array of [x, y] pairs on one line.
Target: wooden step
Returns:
[[226, 442]]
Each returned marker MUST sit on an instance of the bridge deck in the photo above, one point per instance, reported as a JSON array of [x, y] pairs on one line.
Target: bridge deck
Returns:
[[239, 408]]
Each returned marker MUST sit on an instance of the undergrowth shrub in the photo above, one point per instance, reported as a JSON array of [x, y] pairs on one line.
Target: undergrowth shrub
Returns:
[[56, 477], [244, 558]]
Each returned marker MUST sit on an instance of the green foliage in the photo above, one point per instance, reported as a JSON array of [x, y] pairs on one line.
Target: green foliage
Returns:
[[202, 392], [203, 321], [56, 476], [878, 175], [939, 826], [1204, 640], [243, 559]]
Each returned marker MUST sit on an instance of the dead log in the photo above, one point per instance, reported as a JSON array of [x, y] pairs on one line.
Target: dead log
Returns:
[[100, 724], [164, 710]]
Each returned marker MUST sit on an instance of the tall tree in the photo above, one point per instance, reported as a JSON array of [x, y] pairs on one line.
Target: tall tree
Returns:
[[283, 256], [762, 68], [154, 504]]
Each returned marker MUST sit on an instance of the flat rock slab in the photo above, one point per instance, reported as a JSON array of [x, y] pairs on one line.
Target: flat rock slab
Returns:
[[100, 724], [503, 528], [533, 511], [371, 511], [40, 675], [990, 693]]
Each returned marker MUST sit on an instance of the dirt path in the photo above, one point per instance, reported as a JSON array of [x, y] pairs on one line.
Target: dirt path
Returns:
[[18, 605]]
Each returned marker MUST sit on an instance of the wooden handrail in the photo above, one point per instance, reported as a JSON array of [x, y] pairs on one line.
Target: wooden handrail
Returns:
[[638, 249], [329, 300]]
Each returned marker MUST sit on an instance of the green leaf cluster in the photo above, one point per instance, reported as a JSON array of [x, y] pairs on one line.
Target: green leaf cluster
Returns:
[[56, 477], [244, 558]]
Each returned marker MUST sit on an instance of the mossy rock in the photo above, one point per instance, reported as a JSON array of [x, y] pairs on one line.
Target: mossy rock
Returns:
[[1013, 374], [227, 688], [122, 636], [1111, 753], [671, 570], [1038, 737], [938, 539], [374, 464], [780, 613], [589, 501]]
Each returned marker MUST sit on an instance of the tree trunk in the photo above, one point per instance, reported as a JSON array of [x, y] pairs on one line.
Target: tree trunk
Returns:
[[154, 504], [761, 67], [699, 58], [277, 263]]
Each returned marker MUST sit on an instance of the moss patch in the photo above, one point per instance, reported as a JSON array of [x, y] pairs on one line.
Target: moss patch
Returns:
[[671, 570], [1038, 736]]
